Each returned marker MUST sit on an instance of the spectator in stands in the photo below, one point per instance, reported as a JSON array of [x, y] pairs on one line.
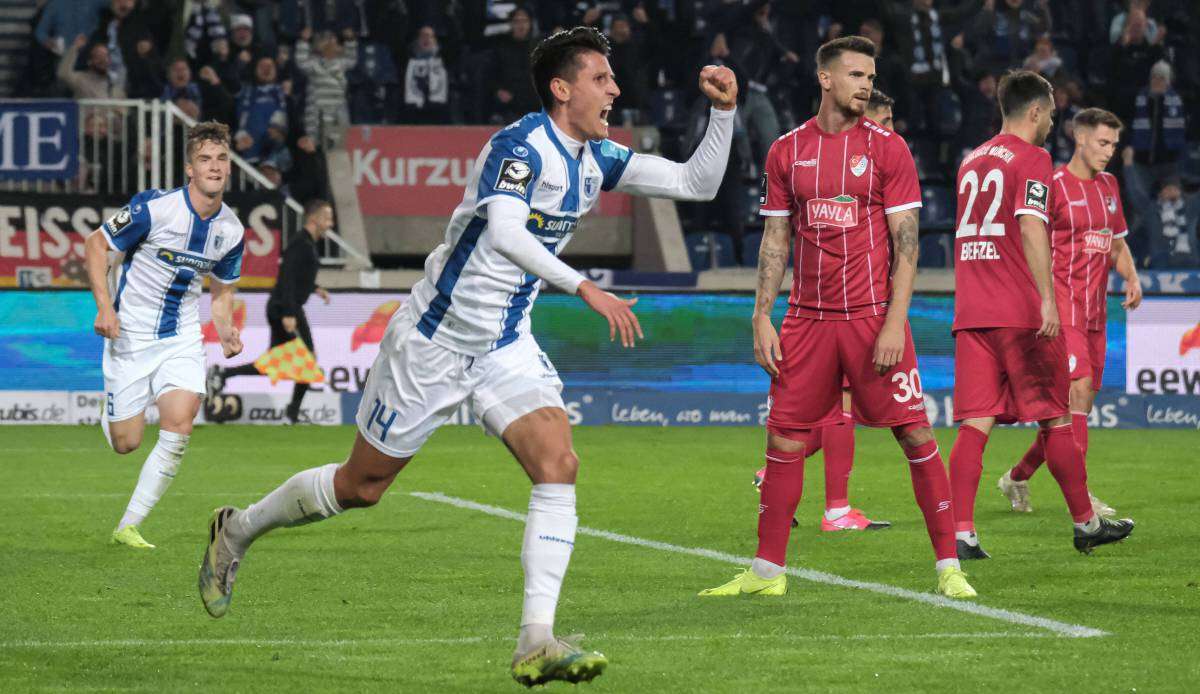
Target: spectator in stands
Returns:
[[1168, 220], [981, 114], [204, 26], [1116, 30], [124, 32], [426, 81], [1044, 59], [1003, 34], [630, 61], [757, 52], [94, 82], [63, 20], [923, 38], [1061, 140], [890, 74], [274, 158], [337, 17], [259, 106], [1159, 125], [226, 66], [326, 109], [203, 100], [244, 45], [1132, 59], [512, 90]]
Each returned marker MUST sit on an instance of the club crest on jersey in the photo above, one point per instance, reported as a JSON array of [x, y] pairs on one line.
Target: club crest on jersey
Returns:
[[1111, 203], [858, 164], [841, 211], [218, 241], [1037, 194], [514, 177], [1097, 241], [591, 186]]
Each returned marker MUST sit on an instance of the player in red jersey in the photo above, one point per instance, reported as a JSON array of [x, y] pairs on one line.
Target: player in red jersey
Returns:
[[846, 189], [837, 440], [1010, 358], [1087, 236]]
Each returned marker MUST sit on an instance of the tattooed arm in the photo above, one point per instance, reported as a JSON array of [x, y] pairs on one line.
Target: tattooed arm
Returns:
[[889, 346], [772, 263]]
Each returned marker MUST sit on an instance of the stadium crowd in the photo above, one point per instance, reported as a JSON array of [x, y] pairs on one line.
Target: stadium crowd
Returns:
[[287, 74]]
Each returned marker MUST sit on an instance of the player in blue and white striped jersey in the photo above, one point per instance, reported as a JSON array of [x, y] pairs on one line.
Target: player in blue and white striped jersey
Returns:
[[153, 351], [464, 335]]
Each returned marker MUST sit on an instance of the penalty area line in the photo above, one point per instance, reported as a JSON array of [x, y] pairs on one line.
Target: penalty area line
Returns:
[[1010, 616]]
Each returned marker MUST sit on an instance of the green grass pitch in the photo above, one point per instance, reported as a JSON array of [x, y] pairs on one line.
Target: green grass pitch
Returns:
[[420, 596]]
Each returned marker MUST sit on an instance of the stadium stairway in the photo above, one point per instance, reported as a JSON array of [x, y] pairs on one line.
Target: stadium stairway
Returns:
[[16, 34]]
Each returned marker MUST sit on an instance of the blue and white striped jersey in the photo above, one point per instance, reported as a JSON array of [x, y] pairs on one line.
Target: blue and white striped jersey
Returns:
[[168, 249], [472, 299]]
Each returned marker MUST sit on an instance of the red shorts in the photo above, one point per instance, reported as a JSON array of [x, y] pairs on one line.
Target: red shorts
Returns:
[[1010, 374], [819, 356], [1085, 354]]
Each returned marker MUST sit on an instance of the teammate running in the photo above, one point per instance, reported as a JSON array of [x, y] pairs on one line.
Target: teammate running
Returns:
[[847, 190], [837, 440], [1010, 358], [464, 335], [152, 345], [1087, 235]]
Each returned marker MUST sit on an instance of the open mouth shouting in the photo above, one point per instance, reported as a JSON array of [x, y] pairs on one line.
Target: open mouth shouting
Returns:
[[604, 114]]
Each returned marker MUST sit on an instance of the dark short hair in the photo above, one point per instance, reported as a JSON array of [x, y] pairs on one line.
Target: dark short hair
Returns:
[[208, 131], [1092, 117], [1019, 89], [880, 100], [830, 50], [314, 206], [557, 56]]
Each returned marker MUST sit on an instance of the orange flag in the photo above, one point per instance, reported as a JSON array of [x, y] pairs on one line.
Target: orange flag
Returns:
[[290, 361], [1190, 340]]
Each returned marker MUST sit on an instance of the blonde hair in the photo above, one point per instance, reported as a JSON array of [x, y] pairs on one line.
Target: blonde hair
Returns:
[[208, 131]]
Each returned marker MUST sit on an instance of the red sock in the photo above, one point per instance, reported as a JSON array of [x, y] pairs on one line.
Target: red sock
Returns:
[[966, 467], [932, 489], [1079, 426], [781, 489], [1065, 461], [1030, 462], [839, 460]]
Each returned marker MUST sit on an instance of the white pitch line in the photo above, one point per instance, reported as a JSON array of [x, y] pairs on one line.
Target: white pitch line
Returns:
[[354, 643], [1061, 628]]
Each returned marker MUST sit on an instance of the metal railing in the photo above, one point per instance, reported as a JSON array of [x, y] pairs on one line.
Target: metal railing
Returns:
[[129, 145]]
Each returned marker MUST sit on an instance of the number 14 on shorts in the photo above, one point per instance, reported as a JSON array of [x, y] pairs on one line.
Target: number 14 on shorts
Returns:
[[376, 418]]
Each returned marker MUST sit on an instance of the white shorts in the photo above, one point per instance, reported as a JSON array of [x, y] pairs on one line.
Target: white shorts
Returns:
[[416, 385], [138, 372]]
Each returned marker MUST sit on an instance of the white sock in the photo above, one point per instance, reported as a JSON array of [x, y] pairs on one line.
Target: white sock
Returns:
[[104, 426], [549, 539], [1091, 525], [967, 536], [765, 569], [832, 514], [946, 564], [157, 474], [305, 498]]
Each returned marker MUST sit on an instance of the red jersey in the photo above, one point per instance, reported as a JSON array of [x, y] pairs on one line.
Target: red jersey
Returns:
[[837, 191], [1085, 218], [1002, 179]]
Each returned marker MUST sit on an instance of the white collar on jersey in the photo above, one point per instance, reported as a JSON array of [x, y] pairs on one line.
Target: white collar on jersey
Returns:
[[574, 147]]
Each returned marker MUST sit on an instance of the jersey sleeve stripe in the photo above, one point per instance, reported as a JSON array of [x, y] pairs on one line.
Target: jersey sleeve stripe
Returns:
[[1035, 213], [773, 213], [900, 208]]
